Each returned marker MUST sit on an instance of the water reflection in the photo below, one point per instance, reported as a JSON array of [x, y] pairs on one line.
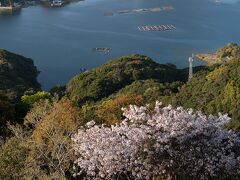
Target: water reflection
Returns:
[[9, 13]]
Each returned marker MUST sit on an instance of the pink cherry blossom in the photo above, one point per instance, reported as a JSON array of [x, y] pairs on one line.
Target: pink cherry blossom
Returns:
[[166, 143]]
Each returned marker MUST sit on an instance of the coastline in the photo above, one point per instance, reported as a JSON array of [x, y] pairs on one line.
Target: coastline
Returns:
[[9, 8], [212, 58], [209, 58]]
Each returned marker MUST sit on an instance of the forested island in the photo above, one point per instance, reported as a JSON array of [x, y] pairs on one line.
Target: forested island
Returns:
[[86, 129]]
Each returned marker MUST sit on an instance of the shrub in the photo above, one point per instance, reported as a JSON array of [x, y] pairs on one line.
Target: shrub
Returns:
[[29, 100], [37, 113], [109, 112], [50, 143], [12, 159]]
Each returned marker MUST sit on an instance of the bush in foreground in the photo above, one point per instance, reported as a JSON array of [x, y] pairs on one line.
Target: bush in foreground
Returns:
[[30, 100], [165, 143]]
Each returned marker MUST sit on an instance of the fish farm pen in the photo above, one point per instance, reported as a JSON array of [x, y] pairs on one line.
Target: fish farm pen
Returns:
[[156, 28], [100, 49]]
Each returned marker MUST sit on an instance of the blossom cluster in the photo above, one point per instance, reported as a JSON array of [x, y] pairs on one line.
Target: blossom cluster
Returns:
[[166, 142]]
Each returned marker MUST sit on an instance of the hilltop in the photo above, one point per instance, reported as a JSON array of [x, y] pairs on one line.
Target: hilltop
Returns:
[[116, 74]]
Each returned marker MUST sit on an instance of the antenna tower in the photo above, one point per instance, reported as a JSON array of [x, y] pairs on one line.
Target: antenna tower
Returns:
[[190, 67]]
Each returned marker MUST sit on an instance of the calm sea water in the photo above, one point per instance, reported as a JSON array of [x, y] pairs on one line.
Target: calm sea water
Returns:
[[60, 40]]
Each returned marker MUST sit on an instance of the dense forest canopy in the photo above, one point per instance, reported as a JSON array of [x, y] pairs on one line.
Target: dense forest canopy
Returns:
[[116, 74], [17, 74]]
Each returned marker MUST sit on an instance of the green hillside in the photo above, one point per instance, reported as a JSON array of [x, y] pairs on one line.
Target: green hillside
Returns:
[[116, 74], [213, 91], [17, 74]]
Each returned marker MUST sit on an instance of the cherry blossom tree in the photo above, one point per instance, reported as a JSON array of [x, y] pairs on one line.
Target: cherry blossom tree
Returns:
[[166, 143]]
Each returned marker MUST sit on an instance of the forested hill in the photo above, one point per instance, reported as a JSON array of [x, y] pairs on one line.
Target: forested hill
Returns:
[[214, 90], [116, 74], [17, 74]]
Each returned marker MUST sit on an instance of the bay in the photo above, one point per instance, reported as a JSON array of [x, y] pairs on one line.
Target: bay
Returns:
[[60, 40]]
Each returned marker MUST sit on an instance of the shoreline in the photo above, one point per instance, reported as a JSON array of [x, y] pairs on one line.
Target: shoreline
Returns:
[[211, 59], [9, 8]]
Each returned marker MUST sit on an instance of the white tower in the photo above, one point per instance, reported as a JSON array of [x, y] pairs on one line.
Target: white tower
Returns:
[[190, 67]]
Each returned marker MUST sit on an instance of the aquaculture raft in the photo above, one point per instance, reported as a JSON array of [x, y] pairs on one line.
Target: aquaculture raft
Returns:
[[155, 9], [164, 27], [100, 49]]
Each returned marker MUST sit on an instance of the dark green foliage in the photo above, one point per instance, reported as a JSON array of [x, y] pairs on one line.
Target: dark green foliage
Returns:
[[7, 114], [30, 100], [114, 75], [17, 74], [58, 91], [151, 89]]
